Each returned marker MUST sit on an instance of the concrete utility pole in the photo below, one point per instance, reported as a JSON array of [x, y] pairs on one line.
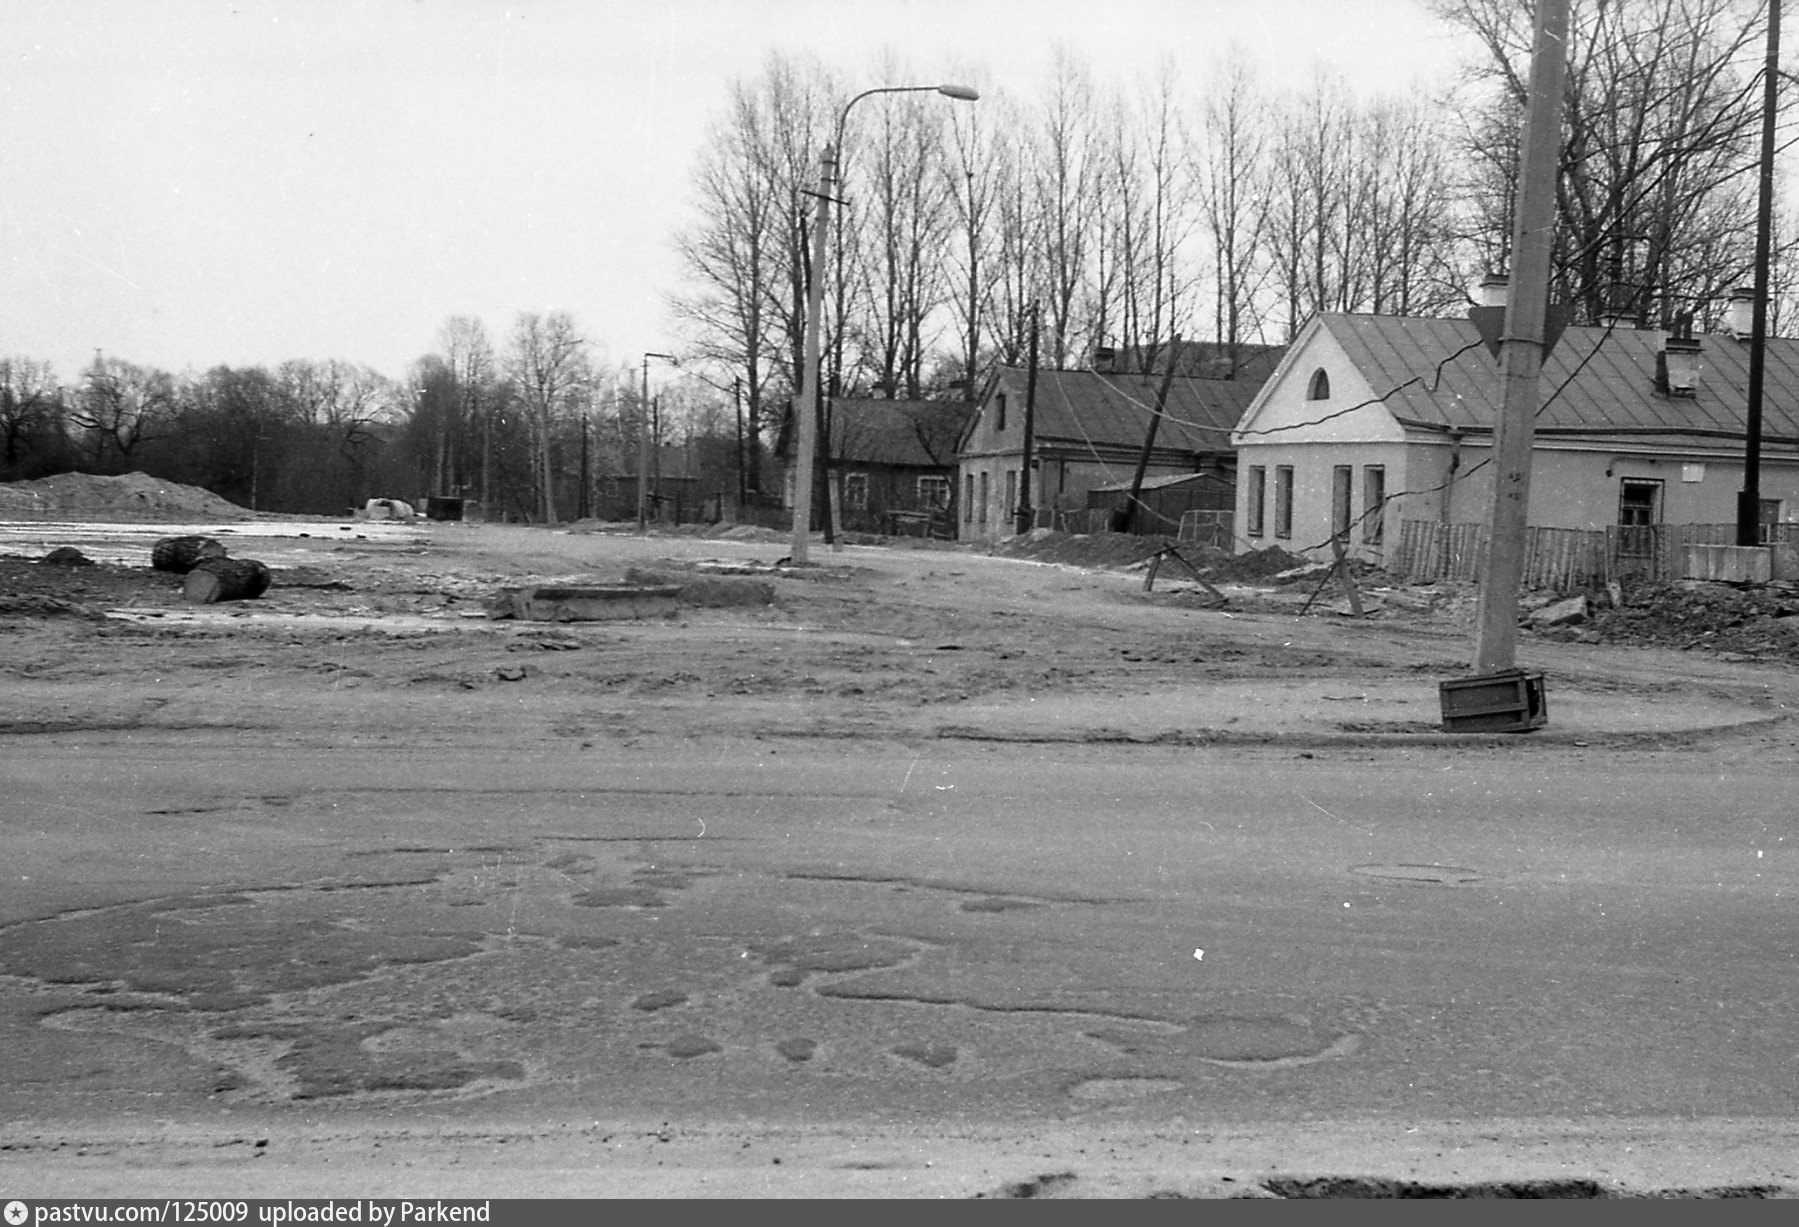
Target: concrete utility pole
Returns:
[[1749, 499], [1521, 352], [808, 410], [804, 408], [644, 442]]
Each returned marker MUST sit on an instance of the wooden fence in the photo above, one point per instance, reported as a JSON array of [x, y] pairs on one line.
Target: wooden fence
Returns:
[[1562, 559]]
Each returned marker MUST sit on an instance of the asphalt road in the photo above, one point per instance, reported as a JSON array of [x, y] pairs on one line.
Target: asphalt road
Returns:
[[288, 957]]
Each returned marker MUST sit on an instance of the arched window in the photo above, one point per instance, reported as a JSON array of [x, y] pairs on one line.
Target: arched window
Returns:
[[1321, 386]]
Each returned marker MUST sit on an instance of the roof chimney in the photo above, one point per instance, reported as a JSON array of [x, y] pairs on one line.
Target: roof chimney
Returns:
[[1678, 363], [1739, 316], [1494, 288]]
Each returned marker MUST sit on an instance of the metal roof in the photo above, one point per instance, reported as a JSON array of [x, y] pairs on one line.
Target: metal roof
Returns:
[[1113, 410], [1597, 381], [903, 433]]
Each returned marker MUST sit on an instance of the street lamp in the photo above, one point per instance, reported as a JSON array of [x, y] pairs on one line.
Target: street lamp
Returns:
[[806, 410], [643, 444]]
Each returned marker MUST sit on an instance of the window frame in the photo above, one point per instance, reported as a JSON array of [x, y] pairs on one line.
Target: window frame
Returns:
[[1283, 502], [1255, 512], [1374, 504], [936, 482]]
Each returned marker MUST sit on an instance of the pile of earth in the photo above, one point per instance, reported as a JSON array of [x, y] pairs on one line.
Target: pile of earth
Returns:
[[129, 496], [1081, 549], [1762, 622]]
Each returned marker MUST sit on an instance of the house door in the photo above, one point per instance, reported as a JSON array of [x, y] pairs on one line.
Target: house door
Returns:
[[1639, 515]]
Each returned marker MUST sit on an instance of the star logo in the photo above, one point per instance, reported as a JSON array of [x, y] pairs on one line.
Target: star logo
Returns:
[[16, 1213]]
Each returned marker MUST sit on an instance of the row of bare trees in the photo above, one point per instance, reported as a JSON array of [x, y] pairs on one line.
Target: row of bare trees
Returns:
[[1131, 213], [537, 428]]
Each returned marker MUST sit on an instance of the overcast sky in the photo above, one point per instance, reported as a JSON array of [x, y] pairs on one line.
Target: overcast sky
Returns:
[[185, 183]]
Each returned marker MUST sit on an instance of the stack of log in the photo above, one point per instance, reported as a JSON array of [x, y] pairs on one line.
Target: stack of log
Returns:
[[211, 574]]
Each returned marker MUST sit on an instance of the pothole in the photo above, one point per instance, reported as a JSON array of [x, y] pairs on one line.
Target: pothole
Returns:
[[1438, 875]]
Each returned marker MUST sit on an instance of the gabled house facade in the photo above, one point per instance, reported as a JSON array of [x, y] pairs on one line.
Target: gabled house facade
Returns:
[[1088, 430], [1370, 421]]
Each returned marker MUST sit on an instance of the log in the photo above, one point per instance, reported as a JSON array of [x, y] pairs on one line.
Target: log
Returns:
[[179, 554], [226, 579]]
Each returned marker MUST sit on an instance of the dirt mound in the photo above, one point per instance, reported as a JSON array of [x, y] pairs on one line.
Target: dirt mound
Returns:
[[1082, 549], [1255, 565], [130, 496], [1761, 622]]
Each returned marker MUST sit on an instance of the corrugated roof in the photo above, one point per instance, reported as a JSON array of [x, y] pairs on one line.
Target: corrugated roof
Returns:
[[903, 433], [1114, 410], [1596, 380]]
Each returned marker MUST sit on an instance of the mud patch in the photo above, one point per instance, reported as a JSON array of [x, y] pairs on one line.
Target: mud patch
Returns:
[[996, 903], [650, 1003], [798, 957], [206, 952], [1273, 1041], [330, 1060], [1052, 1184], [583, 941], [797, 1050], [931, 1056], [687, 1047], [1121, 1090]]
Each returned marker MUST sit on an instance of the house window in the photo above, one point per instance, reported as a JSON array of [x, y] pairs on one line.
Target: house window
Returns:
[[1639, 512], [999, 412], [968, 501], [1283, 500], [1374, 500], [986, 512], [1320, 388], [1258, 488], [933, 492], [1011, 502], [855, 491], [1342, 491]]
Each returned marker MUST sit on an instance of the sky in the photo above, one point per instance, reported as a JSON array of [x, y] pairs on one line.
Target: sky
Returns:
[[188, 183]]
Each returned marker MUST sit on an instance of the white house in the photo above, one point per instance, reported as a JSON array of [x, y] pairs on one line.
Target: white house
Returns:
[[1374, 420]]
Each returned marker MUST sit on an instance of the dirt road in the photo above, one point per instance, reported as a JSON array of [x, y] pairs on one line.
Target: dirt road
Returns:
[[938, 873]]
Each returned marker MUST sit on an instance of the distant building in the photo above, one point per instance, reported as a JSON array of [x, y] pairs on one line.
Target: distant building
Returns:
[[1087, 435], [892, 465]]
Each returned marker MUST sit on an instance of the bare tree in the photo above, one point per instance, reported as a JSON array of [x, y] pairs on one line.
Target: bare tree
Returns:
[[1655, 213], [973, 190], [548, 364], [1228, 168], [122, 407], [748, 257], [30, 411], [469, 359], [902, 217], [1147, 223], [1064, 172]]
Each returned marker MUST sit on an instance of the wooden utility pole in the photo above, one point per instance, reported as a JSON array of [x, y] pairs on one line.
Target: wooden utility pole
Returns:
[[1749, 499], [1521, 346], [1149, 437], [1027, 515]]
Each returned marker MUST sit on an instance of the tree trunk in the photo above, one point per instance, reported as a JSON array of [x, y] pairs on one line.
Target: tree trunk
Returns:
[[226, 579], [180, 554]]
